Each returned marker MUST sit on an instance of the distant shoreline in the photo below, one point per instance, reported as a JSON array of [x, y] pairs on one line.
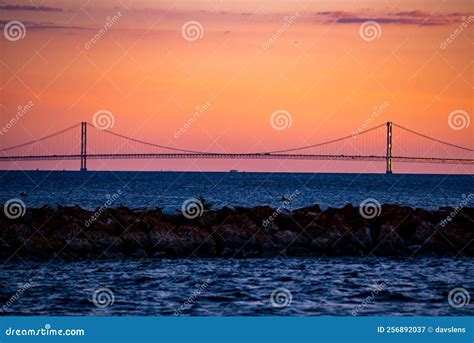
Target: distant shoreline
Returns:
[[260, 231]]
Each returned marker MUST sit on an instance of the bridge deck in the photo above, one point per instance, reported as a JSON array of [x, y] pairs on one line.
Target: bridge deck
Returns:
[[239, 156]]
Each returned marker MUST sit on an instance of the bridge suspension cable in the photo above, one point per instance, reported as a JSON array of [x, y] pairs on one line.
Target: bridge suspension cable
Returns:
[[433, 139], [40, 139], [148, 143], [324, 143], [101, 147]]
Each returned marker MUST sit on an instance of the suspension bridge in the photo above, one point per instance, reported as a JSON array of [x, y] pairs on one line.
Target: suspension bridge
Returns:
[[387, 142]]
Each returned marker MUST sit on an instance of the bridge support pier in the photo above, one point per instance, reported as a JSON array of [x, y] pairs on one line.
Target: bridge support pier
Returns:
[[388, 155], [83, 146]]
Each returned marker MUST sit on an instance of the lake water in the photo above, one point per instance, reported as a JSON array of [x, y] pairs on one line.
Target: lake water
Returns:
[[282, 286], [169, 189], [301, 286]]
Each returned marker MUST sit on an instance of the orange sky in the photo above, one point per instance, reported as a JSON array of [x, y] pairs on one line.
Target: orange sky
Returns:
[[318, 68]]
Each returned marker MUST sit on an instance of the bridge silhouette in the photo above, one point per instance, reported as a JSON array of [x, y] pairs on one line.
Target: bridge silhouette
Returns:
[[387, 142]]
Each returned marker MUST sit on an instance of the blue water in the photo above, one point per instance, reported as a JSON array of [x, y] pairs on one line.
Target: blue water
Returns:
[[309, 286], [169, 189], [315, 286]]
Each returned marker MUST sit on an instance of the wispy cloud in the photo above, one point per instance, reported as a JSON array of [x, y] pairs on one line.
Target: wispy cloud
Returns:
[[30, 8], [401, 21], [415, 17], [46, 26], [415, 13]]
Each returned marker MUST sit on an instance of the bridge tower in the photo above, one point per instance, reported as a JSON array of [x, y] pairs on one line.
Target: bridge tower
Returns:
[[83, 146], [388, 155]]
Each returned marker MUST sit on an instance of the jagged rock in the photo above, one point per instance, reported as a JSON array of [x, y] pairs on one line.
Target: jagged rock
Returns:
[[164, 240], [322, 244], [134, 239], [238, 232], [104, 242], [138, 253], [195, 241], [80, 246], [363, 237], [293, 243], [69, 232], [389, 242], [422, 232]]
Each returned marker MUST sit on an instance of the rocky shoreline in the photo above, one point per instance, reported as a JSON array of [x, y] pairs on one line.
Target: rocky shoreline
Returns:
[[262, 231]]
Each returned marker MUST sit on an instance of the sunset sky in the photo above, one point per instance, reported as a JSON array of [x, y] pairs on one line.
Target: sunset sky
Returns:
[[311, 59]]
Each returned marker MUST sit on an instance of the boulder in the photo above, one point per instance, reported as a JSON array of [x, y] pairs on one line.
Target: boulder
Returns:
[[69, 232]]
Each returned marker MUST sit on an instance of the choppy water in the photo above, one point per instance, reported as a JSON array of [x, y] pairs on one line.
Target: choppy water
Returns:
[[316, 286], [327, 286], [169, 189]]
